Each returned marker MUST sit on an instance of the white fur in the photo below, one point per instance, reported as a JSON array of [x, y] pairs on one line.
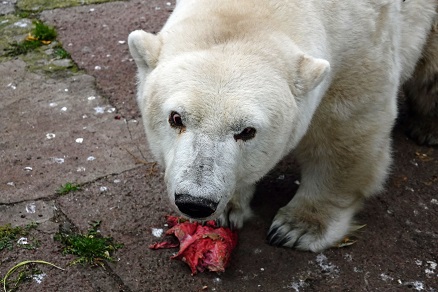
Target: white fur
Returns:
[[316, 77]]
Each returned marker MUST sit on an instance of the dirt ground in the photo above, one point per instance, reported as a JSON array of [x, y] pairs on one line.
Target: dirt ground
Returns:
[[396, 251]]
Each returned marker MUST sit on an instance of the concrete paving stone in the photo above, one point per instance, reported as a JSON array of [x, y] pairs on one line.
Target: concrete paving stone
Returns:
[[7, 7], [47, 217], [58, 131], [107, 55], [39, 5], [65, 63], [25, 213], [129, 204], [73, 278], [132, 203]]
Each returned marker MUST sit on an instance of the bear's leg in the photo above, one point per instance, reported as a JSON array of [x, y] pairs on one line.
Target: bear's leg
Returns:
[[238, 210], [341, 166], [421, 92]]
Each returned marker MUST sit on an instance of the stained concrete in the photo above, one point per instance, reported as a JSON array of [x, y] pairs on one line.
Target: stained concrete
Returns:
[[74, 134]]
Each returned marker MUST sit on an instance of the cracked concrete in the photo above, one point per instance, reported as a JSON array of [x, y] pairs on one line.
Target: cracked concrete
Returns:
[[92, 144], [64, 124]]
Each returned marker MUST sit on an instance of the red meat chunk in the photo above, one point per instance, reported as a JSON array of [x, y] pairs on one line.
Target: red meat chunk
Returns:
[[202, 247]]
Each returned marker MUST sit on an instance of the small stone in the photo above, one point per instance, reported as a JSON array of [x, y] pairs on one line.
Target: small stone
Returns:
[[12, 85], [58, 160], [157, 232], [64, 63], [31, 208], [22, 241], [80, 169], [50, 136], [99, 109], [23, 23]]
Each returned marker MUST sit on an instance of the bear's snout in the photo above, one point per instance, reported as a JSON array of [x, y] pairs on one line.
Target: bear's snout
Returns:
[[195, 207]]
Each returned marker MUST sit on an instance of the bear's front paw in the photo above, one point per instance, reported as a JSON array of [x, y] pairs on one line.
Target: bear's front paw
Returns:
[[309, 229], [234, 217]]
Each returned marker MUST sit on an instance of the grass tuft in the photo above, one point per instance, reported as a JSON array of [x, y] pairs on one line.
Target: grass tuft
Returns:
[[40, 35], [67, 188], [43, 32], [22, 48], [91, 248], [9, 236], [26, 271]]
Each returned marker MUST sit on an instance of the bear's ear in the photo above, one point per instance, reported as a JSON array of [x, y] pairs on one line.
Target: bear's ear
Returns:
[[144, 48], [309, 74]]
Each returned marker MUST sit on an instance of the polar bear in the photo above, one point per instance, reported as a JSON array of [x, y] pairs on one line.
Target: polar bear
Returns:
[[227, 88]]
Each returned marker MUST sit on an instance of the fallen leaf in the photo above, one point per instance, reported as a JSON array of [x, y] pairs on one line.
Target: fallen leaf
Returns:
[[30, 37]]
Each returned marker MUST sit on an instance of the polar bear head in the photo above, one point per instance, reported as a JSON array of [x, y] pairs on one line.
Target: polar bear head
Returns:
[[219, 119]]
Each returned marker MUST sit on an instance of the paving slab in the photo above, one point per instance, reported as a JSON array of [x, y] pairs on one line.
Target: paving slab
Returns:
[[39, 5], [72, 278], [106, 54], [27, 212], [58, 131]]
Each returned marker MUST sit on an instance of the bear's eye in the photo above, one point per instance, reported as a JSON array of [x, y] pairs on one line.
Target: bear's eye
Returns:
[[246, 134], [175, 120]]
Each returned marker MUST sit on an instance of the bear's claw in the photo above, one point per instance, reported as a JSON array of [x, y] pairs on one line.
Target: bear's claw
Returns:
[[234, 218], [296, 227], [278, 238], [284, 235]]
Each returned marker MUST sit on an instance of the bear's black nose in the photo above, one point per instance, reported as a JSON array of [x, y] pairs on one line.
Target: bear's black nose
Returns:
[[195, 207]]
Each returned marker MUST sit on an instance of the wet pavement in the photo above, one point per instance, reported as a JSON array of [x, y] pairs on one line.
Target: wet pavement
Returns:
[[77, 121]]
